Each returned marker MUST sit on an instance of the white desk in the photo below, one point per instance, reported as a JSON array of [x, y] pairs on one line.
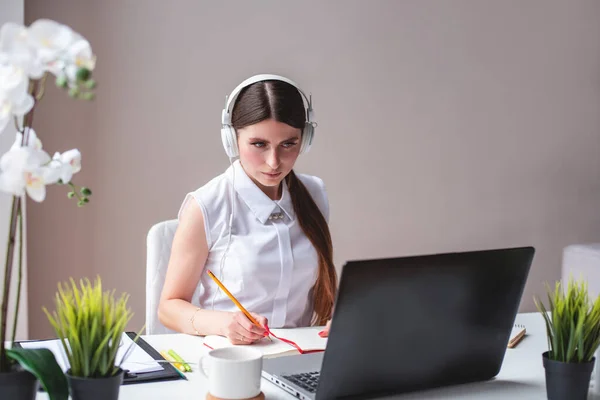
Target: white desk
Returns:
[[521, 376]]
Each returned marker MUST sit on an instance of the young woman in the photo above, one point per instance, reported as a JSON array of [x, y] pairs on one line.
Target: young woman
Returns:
[[259, 227]]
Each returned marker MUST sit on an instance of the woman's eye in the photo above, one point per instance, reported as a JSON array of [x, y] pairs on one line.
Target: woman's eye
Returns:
[[289, 144], [258, 144]]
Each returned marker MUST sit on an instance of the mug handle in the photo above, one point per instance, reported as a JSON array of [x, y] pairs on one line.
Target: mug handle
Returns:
[[201, 365]]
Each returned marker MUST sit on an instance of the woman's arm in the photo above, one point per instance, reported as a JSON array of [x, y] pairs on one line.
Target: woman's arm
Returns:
[[188, 257]]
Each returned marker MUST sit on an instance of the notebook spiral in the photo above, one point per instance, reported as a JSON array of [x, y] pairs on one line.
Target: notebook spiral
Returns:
[[517, 333]]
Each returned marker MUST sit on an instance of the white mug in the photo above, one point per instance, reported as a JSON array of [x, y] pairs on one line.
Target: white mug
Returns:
[[232, 372]]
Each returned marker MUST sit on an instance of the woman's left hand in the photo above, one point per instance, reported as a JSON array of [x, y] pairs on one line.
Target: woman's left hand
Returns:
[[325, 332]]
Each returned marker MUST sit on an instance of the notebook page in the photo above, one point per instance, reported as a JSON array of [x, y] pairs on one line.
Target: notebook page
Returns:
[[306, 338], [138, 361], [55, 346], [268, 348]]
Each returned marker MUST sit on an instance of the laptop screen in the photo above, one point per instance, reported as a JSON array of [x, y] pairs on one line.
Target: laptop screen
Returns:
[[410, 323]]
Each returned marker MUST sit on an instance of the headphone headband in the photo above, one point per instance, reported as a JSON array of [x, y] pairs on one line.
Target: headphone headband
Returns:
[[229, 100], [228, 135]]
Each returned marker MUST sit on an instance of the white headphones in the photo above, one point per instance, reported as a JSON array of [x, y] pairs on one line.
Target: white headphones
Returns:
[[228, 135]]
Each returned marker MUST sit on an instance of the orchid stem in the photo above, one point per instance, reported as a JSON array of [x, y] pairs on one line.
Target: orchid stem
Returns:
[[17, 126], [20, 275], [10, 247], [41, 88], [16, 205], [74, 189]]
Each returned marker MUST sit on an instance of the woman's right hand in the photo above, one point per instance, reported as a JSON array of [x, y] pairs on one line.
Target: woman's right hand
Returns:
[[239, 329]]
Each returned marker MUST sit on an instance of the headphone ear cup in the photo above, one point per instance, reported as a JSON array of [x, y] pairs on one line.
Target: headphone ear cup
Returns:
[[229, 140], [307, 138]]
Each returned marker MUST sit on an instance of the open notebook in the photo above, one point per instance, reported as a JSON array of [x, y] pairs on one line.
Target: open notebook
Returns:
[[137, 361], [284, 342]]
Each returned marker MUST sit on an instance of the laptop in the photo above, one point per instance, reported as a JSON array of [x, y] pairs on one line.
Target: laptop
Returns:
[[412, 323]]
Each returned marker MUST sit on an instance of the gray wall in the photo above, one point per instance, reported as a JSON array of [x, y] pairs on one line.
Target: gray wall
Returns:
[[443, 126]]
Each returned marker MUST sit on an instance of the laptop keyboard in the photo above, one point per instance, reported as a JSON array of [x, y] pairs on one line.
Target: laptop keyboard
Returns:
[[306, 381]]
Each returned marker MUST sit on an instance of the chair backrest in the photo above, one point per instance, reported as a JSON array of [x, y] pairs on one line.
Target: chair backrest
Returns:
[[158, 252]]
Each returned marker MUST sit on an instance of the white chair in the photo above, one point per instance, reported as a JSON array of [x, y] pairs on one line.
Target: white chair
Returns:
[[583, 261], [158, 251]]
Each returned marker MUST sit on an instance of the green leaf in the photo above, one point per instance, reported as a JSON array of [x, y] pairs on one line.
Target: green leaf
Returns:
[[572, 322], [42, 364], [91, 321]]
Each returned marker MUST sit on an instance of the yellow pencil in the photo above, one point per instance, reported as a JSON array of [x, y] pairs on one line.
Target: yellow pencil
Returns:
[[235, 301]]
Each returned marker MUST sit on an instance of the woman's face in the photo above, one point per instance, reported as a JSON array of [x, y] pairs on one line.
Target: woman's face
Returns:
[[268, 151]]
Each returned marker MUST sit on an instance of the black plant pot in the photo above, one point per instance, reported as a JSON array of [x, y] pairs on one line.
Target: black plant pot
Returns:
[[567, 381], [18, 385], [95, 388]]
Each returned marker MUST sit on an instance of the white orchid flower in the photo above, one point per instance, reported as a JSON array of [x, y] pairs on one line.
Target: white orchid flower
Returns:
[[35, 185], [15, 49], [14, 160], [64, 166], [12, 78], [21, 158], [32, 140], [81, 53], [73, 159], [51, 41], [12, 183], [80, 56], [77, 56], [62, 51], [53, 171], [45, 46], [23, 171], [14, 98], [49, 38], [14, 42]]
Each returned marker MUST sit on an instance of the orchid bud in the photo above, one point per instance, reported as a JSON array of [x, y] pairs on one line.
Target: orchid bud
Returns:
[[83, 74], [61, 81]]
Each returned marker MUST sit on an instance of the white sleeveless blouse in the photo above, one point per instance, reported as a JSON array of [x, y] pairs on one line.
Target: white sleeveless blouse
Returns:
[[270, 266]]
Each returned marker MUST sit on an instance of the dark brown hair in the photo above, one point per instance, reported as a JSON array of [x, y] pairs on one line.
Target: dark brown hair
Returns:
[[282, 102]]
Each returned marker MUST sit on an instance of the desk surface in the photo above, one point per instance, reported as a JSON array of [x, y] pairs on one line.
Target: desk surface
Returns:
[[521, 376]]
